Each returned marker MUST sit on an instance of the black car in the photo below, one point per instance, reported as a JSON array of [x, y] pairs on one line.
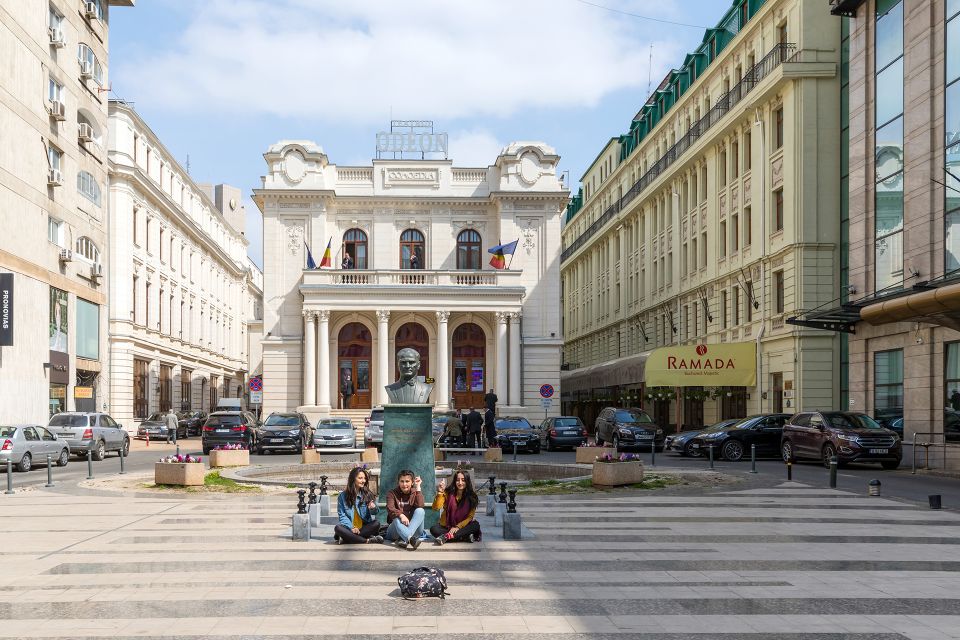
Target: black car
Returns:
[[682, 443], [155, 427], [625, 428], [564, 431], [229, 427], [733, 442], [193, 420], [515, 431], [286, 432]]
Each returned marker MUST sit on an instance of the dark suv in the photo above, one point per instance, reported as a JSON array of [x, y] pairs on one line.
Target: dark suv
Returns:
[[627, 428], [852, 437], [733, 442], [229, 427], [285, 431]]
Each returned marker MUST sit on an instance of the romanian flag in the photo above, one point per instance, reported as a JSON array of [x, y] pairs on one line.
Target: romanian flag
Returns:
[[498, 261], [326, 261]]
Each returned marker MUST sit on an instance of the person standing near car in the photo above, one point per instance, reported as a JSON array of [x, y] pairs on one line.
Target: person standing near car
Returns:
[[490, 401], [454, 429], [172, 425], [346, 388], [474, 429], [490, 427]]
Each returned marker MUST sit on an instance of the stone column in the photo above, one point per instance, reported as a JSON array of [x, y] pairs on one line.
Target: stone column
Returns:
[[310, 358], [383, 355], [323, 380], [516, 398], [501, 381], [442, 389]]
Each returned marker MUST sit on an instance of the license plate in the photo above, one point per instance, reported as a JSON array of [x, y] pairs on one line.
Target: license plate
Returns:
[[880, 451], [569, 433], [223, 430], [65, 435], [276, 439]]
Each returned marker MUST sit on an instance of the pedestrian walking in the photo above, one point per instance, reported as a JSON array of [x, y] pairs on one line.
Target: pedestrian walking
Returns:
[[346, 388], [490, 427], [474, 429], [172, 424]]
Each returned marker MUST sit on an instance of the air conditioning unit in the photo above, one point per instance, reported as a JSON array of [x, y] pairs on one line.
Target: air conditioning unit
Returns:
[[57, 110], [96, 271], [91, 11], [66, 255], [86, 132], [54, 178], [56, 37], [86, 69]]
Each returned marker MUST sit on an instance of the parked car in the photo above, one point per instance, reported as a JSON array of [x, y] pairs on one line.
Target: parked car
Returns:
[[851, 436], [625, 428], [733, 441], [682, 443], [513, 430], [289, 431], [373, 432], [25, 445], [439, 422], [155, 427], [334, 432], [193, 420], [562, 431], [229, 427], [84, 431]]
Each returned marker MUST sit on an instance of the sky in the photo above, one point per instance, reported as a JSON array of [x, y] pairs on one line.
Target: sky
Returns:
[[219, 81]]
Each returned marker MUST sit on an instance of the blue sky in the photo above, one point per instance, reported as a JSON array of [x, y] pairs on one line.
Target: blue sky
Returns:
[[221, 80]]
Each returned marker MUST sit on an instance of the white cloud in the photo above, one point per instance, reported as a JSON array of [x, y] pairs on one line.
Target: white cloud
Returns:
[[474, 148], [354, 61]]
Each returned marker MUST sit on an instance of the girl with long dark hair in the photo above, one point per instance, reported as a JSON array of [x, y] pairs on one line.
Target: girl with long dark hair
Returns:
[[458, 504], [357, 511]]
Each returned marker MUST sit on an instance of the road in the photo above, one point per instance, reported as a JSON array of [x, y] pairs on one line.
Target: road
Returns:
[[899, 484]]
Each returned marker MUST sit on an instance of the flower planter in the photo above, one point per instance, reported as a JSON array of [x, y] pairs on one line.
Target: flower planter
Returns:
[[493, 454], [615, 474], [229, 458], [586, 455], [184, 474], [310, 456]]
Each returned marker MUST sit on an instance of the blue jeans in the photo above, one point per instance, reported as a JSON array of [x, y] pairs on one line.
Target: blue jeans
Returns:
[[399, 531]]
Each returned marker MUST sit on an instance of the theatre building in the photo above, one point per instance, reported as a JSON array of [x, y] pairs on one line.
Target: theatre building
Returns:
[[409, 267]]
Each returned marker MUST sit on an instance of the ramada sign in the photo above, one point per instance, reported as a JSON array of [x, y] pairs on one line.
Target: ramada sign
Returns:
[[700, 363]]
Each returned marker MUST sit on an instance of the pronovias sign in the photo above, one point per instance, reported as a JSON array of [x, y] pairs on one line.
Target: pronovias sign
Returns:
[[706, 365]]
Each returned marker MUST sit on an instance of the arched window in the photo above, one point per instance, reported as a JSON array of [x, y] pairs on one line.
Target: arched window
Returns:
[[354, 247], [468, 250], [411, 249], [88, 187], [87, 250]]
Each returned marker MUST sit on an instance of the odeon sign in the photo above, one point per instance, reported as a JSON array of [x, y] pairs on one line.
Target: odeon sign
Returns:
[[409, 142], [703, 365]]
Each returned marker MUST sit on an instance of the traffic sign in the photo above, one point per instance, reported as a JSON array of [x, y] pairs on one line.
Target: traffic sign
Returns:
[[256, 397], [256, 384], [546, 391], [546, 402]]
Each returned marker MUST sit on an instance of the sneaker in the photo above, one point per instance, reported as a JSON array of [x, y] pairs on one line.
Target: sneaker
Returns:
[[339, 540], [471, 538], [440, 540], [414, 542], [400, 544], [377, 539]]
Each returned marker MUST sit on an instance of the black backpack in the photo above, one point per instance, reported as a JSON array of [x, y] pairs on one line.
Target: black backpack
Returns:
[[423, 582]]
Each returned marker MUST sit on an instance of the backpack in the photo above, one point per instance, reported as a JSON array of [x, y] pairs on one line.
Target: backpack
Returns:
[[423, 582]]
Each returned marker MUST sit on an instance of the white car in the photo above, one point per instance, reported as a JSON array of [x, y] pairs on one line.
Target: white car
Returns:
[[373, 433], [27, 446]]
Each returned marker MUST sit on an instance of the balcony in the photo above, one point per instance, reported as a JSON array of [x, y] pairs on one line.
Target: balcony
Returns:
[[411, 277]]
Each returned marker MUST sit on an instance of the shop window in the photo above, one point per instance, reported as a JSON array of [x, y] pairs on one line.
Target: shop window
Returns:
[[88, 330], [888, 384]]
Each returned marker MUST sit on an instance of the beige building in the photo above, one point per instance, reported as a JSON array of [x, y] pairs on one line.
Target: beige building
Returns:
[[53, 195], [713, 220], [410, 268], [181, 286]]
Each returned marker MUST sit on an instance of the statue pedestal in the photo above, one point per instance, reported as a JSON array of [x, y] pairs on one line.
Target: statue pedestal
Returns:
[[408, 444]]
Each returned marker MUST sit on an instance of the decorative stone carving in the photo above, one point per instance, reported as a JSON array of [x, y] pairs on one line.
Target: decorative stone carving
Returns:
[[723, 205], [309, 314], [514, 316], [776, 170], [501, 316], [294, 166], [443, 316], [323, 315], [383, 315], [295, 238]]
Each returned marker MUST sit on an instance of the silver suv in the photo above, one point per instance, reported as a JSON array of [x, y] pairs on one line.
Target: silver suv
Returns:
[[97, 432], [373, 433]]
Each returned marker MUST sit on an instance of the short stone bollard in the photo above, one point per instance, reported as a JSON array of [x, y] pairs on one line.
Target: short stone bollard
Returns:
[[512, 525], [500, 509], [301, 519], [325, 505]]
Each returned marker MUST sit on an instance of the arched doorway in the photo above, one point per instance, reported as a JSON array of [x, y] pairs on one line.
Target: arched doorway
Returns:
[[414, 336], [354, 348], [469, 365]]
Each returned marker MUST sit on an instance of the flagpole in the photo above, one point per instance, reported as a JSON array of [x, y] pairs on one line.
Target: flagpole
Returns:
[[511, 259]]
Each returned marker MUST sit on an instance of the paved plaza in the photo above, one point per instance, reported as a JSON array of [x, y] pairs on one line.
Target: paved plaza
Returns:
[[787, 560]]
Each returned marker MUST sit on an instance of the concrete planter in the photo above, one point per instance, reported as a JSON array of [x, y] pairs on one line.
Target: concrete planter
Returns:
[[439, 456], [493, 454], [184, 474], [310, 456], [586, 455], [615, 474], [229, 458], [370, 454]]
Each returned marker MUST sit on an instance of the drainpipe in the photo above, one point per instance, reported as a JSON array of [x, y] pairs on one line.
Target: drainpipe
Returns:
[[758, 122]]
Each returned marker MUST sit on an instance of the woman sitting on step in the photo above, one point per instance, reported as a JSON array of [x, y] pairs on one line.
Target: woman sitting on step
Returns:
[[357, 511], [458, 503]]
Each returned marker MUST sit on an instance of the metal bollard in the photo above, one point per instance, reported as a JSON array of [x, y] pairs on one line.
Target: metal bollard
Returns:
[[833, 472], [514, 450], [711, 456], [89, 464], [653, 454], [512, 505], [178, 448], [123, 448], [935, 501], [9, 477], [301, 501], [874, 488], [503, 493], [789, 471], [49, 471], [753, 458]]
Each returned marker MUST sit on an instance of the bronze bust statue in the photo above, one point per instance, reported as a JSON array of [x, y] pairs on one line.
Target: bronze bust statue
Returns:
[[409, 390]]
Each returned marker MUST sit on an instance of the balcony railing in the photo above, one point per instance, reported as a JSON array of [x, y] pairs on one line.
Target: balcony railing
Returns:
[[778, 55], [412, 277]]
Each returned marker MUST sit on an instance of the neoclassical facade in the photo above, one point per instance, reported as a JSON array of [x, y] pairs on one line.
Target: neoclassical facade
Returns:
[[182, 290], [409, 242]]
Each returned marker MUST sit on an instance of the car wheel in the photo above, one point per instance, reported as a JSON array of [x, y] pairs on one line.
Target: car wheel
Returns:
[[786, 450], [828, 452], [126, 447], [598, 439], [690, 452], [100, 451], [550, 446], [26, 463], [890, 465], [732, 450], [64, 458]]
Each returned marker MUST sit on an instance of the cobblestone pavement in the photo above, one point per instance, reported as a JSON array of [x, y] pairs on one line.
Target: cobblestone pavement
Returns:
[[785, 561]]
